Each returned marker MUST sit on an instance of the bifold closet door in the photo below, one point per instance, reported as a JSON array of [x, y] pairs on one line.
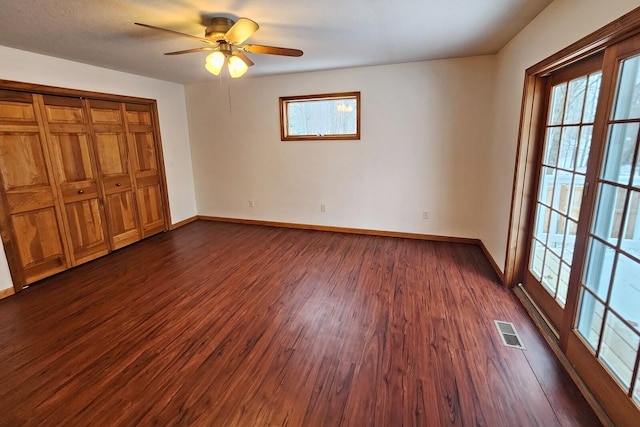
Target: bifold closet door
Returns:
[[145, 159], [73, 162], [31, 220], [107, 122]]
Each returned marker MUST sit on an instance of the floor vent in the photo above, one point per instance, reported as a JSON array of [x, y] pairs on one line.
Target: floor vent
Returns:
[[510, 337]]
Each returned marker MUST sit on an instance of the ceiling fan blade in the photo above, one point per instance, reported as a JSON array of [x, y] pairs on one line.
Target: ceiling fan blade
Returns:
[[241, 30], [244, 57], [175, 33], [271, 50], [197, 49]]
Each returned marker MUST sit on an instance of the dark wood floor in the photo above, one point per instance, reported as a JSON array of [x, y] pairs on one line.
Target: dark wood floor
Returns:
[[235, 325]]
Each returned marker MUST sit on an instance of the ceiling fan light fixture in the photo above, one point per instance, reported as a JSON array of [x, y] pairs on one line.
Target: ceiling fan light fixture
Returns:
[[237, 67], [226, 37], [214, 63]]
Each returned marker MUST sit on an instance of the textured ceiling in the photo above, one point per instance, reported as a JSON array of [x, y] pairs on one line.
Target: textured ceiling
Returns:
[[332, 33]]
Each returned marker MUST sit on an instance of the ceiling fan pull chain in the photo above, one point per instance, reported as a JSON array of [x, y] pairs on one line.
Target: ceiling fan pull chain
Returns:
[[229, 93]]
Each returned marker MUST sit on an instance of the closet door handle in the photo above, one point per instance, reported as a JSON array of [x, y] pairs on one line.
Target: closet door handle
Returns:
[[80, 191], [118, 184]]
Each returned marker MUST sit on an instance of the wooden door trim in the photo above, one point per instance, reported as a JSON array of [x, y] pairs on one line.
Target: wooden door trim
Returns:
[[74, 93], [525, 179], [624, 27]]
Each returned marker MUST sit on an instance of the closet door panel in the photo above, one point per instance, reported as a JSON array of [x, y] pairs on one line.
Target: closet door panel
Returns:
[[124, 227], [30, 221], [150, 203], [107, 121], [73, 164], [39, 244], [148, 183], [85, 228], [145, 161]]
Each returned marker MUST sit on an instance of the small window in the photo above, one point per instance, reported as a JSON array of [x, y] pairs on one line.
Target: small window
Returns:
[[314, 117]]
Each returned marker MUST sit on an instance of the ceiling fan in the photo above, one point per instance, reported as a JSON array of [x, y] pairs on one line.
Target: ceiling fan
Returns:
[[225, 38]]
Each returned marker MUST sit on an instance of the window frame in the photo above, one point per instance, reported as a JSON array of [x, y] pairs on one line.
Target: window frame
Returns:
[[284, 116]]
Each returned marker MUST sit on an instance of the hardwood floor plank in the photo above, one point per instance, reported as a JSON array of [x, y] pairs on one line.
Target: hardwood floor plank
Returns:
[[223, 324]]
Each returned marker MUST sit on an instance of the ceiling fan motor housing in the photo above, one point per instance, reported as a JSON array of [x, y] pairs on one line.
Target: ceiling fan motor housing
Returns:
[[218, 28]]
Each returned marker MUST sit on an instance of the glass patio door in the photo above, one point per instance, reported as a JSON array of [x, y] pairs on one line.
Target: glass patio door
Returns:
[[572, 101], [581, 268], [608, 316]]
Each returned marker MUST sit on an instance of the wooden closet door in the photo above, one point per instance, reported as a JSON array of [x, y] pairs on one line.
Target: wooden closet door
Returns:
[[74, 166], [145, 161], [31, 222], [107, 122]]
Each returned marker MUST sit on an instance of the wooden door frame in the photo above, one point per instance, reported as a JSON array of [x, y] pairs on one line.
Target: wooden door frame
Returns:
[[10, 249]]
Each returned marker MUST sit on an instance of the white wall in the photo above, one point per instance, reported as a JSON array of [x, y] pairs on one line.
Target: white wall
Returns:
[[562, 23], [33, 68], [424, 128]]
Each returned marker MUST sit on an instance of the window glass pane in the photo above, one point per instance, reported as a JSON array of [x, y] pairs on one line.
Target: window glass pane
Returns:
[[575, 100], [551, 146], [569, 241], [563, 284], [576, 196], [543, 220], [558, 95], [619, 349], [568, 145], [636, 175], [593, 90], [589, 321], [631, 235], [625, 294], [628, 97], [556, 232], [330, 117], [551, 271], [609, 212], [547, 181], [562, 191], [537, 259], [599, 268], [636, 393], [586, 133], [620, 148]]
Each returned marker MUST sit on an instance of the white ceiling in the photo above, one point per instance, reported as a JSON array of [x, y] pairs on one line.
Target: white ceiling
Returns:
[[332, 33]]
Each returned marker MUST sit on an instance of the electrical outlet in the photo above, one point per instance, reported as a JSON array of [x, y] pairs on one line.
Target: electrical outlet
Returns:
[[323, 208], [425, 214], [251, 203]]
